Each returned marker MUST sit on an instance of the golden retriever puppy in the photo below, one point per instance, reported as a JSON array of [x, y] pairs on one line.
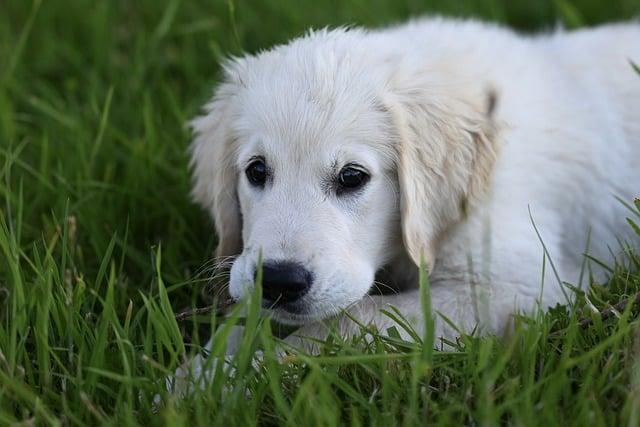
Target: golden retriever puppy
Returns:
[[347, 156]]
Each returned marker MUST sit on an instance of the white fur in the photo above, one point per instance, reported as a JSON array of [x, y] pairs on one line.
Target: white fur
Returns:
[[464, 128]]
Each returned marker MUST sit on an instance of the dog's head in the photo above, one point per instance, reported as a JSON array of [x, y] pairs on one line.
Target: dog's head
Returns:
[[331, 158]]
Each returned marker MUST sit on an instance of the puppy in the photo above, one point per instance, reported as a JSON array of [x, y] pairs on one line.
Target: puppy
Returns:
[[346, 157]]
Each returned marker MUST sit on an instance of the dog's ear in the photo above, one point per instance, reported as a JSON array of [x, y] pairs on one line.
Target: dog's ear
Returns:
[[214, 170], [447, 146]]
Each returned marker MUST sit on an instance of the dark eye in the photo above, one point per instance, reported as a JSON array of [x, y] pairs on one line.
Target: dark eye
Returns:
[[351, 178], [257, 172]]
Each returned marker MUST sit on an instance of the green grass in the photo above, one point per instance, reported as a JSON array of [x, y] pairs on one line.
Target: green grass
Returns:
[[100, 244]]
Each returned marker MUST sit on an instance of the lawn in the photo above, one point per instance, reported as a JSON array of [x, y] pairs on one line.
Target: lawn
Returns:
[[100, 245]]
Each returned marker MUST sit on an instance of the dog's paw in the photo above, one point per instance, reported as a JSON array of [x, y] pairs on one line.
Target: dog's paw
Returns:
[[194, 374], [186, 377]]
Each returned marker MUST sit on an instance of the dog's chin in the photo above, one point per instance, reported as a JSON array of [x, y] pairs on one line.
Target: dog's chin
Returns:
[[295, 314]]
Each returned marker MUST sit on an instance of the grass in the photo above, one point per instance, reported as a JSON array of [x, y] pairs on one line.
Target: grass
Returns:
[[100, 245]]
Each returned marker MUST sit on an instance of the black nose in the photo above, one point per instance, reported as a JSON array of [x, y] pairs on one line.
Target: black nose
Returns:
[[284, 282]]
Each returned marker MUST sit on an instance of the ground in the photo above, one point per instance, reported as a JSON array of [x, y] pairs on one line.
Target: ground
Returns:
[[100, 244]]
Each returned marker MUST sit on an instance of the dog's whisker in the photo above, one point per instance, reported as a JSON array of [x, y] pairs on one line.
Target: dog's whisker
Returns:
[[221, 292], [215, 264], [379, 284]]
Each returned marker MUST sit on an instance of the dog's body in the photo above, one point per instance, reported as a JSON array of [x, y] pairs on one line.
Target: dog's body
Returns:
[[469, 135]]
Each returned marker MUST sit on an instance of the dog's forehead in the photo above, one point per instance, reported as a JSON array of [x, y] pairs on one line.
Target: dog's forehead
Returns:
[[297, 127], [302, 136], [311, 104], [308, 114]]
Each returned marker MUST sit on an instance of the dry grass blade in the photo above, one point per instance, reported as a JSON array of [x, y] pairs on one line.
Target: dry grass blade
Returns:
[[616, 308], [219, 309]]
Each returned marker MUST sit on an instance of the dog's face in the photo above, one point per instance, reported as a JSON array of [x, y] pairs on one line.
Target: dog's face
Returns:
[[311, 163], [320, 206]]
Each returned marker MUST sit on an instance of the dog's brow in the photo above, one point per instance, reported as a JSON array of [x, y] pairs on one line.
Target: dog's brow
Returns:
[[328, 177]]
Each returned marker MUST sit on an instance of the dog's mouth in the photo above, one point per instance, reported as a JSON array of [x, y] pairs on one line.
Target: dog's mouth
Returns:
[[295, 308], [296, 313]]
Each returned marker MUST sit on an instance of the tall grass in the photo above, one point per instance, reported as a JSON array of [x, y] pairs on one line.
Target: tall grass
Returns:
[[100, 245]]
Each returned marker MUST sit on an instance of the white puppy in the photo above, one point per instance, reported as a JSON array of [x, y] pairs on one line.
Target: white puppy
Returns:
[[347, 155]]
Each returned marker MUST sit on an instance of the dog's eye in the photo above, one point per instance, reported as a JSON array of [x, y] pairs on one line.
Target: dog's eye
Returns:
[[351, 178], [257, 172]]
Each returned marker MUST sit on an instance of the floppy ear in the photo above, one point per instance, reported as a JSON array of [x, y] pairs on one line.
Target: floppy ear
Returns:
[[214, 172], [446, 151]]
